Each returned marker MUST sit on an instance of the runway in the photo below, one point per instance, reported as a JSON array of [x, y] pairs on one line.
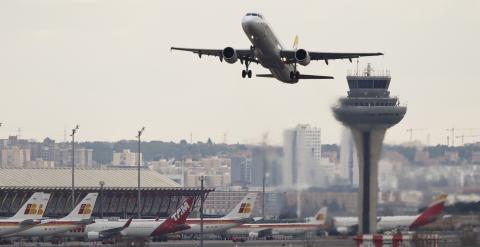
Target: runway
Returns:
[[266, 243], [217, 243]]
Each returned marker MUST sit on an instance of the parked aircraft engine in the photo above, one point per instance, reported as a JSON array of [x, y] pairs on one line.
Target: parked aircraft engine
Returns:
[[230, 55], [302, 56], [93, 235]]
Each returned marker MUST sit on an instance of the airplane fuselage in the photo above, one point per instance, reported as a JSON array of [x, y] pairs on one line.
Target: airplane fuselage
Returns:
[[210, 225], [267, 48], [49, 227], [276, 228], [137, 228], [385, 223], [11, 226]]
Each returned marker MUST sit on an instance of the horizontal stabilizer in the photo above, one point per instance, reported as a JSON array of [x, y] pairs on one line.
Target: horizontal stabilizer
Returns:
[[314, 77], [265, 75], [305, 77]]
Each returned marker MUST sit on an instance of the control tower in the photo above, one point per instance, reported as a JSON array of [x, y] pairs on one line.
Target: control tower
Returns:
[[368, 111]]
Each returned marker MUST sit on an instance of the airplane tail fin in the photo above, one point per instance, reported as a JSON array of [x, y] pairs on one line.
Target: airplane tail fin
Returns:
[[84, 209], [320, 217], [34, 207], [244, 208], [301, 76], [176, 221], [431, 213]]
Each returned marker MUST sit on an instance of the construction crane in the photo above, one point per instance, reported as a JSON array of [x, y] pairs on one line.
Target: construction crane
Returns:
[[470, 136], [452, 132], [411, 132]]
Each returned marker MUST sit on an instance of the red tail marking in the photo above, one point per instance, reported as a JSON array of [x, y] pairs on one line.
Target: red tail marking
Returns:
[[429, 215], [177, 220]]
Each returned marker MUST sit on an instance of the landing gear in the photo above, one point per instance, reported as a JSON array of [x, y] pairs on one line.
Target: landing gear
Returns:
[[246, 72], [294, 75]]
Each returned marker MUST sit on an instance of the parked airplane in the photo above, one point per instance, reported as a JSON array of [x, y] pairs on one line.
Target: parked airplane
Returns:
[[240, 214], [80, 215], [264, 229], [136, 228], [27, 216], [267, 50], [349, 225]]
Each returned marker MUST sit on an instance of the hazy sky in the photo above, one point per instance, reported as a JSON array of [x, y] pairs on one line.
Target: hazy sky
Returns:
[[106, 65]]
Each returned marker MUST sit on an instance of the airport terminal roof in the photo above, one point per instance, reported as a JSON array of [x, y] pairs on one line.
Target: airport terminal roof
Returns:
[[114, 178]]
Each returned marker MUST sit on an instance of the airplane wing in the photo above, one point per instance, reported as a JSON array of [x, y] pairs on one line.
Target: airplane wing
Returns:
[[115, 231], [27, 223], [243, 54], [289, 55]]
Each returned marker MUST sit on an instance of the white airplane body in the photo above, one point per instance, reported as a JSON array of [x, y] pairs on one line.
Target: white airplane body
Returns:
[[267, 50], [27, 216], [240, 214], [135, 228], [386, 223], [79, 216], [255, 230]]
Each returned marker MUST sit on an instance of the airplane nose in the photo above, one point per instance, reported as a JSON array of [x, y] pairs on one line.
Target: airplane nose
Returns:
[[248, 23]]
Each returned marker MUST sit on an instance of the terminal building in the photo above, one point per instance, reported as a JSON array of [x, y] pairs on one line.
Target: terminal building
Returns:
[[117, 189]]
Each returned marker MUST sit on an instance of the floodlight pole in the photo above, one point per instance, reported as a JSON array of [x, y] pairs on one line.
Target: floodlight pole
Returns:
[[140, 132], [73, 165], [102, 183], [202, 178]]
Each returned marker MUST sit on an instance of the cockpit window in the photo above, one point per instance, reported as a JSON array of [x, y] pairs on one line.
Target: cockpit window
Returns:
[[254, 14]]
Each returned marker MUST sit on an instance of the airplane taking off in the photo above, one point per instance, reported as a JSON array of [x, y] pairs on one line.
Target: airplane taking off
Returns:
[[267, 50], [263, 229], [79, 216], [27, 216], [349, 225]]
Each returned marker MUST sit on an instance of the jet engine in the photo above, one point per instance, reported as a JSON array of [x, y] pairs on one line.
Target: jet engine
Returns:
[[302, 57], [230, 55], [93, 235]]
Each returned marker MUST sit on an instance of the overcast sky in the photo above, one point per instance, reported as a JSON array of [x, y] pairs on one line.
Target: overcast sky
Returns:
[[106, 65]]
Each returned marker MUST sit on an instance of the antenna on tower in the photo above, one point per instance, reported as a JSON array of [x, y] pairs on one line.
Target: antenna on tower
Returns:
[[19, 134], [358, 61]]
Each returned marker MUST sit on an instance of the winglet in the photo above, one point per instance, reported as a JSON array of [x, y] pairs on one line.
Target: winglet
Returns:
[[127, 224]]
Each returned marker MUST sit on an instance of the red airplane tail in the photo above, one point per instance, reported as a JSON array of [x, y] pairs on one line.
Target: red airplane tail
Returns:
[[431, 213], [176, 221]]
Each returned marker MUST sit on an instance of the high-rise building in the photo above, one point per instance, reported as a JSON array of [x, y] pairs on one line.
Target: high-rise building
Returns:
[[302, 154], [14, 156], [126, 158], [240, 170]]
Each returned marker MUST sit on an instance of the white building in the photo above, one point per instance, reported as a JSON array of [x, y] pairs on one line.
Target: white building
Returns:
[[126, 158], [302, 155]]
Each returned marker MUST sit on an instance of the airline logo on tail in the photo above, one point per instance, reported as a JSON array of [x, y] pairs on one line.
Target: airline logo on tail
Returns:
[[185, 207], [34, 209], [176, 222], [85, 208], [245, 208], [320, 217]]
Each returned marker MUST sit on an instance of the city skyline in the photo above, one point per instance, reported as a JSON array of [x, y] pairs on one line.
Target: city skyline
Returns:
[[110, 69]]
